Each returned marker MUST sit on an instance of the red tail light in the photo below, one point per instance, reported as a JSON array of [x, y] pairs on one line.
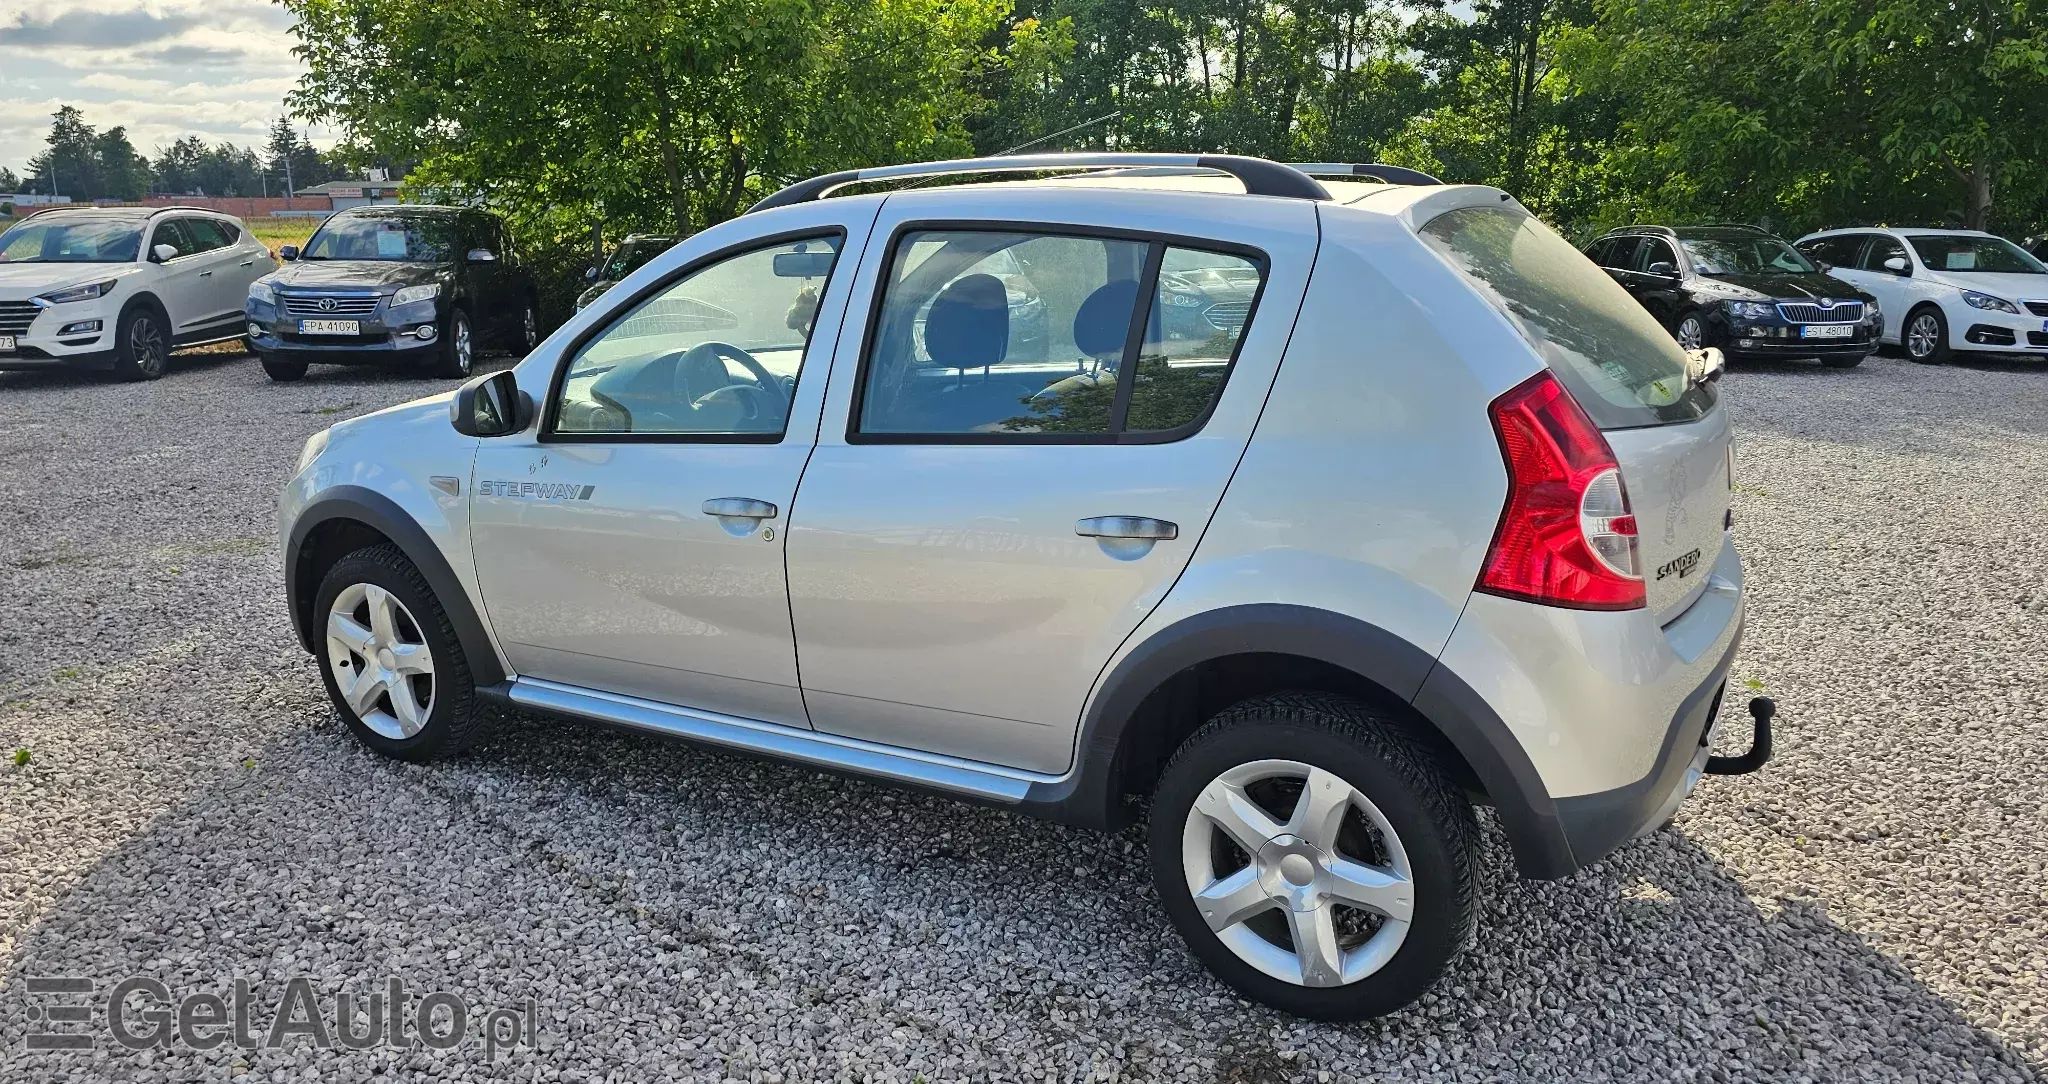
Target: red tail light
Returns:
[[1567, 536]]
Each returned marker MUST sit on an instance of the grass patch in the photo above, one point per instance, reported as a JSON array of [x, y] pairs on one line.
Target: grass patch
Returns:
[[277, 232], [21, 758], [331, 409]]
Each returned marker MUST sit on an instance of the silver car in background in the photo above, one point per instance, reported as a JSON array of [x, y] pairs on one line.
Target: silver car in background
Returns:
[[1411, 508]]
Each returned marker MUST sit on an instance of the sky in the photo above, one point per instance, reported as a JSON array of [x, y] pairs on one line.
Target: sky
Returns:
[[218, 69]]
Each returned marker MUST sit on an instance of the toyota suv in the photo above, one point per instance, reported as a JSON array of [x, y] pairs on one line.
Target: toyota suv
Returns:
[[421, 285], [1742, 291], [1414, 509], [116, 289]]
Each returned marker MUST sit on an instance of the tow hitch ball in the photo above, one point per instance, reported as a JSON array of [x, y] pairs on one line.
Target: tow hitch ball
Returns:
[[1761, 709]]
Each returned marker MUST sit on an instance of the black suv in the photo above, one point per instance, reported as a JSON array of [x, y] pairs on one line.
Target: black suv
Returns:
[[1743, 290], [631, 254], [406, 282]]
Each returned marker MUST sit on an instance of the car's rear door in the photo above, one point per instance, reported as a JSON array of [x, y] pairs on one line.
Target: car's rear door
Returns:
[[1023, 449]]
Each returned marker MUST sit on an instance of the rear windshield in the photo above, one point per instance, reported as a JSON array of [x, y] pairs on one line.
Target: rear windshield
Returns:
[[1620, 364]]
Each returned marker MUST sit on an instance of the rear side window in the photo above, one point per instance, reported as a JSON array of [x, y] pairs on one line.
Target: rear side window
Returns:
[[1013, 336], [1619, 363], [208, 234]]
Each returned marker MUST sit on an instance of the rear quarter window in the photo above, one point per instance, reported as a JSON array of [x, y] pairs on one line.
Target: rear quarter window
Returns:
[[1618, 362]]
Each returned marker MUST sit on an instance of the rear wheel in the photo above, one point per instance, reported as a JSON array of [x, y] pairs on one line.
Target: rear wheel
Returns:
[[389, 657], [458, 346], [1315, 858], [529, 329], [142, 344], [1925, 336]]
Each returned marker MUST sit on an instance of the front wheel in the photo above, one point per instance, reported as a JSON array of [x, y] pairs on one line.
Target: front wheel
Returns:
[[1314, 857], [529, 329], [1690, 331], [142, 345], [1925, 336], [458, 346], [389, 657]]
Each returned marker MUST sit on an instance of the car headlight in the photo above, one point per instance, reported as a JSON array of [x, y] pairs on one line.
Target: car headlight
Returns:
[[261, 291], [83, 292], [1751, 310], [1985, 301], [315, 444], [410, 294]]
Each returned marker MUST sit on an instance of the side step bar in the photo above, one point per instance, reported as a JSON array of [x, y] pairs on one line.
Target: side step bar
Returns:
[[954, 775]]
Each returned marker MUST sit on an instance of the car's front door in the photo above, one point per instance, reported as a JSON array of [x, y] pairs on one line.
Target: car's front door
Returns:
[[1049, 398], [1662, 291], [185, 293], [634, 542]]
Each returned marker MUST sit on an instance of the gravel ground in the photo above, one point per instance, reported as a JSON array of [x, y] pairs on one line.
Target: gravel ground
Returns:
[[1869, 908]]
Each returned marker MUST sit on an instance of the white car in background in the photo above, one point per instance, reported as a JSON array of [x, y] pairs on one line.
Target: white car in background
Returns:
[[118, 288], [1952, 290]]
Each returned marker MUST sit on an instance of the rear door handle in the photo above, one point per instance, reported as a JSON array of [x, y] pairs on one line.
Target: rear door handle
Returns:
[[740, 515], [205, 274], [1144, 527]]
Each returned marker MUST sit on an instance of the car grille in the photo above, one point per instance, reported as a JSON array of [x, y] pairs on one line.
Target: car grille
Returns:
[[16, 316], [1228, 315], [313, 305], [1808, 312], [2038, 308], [2037, 338]]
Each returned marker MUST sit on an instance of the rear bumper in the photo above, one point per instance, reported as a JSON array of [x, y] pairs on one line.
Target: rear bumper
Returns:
[[1610, 710]]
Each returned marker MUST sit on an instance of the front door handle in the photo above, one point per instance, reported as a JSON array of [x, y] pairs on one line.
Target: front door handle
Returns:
[[1145, 527], [205, 274], [739, 515]]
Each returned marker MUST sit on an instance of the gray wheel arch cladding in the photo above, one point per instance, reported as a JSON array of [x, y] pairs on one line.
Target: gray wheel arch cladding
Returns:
[[1090, 795], [383, 515]]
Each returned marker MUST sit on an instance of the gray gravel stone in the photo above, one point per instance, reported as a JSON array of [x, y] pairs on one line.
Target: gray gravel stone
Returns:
[[1870, 908]]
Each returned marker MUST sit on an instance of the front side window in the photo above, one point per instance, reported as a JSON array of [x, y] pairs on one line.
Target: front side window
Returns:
[[994, 335], [400, 238], [714, 354], [1744, 256], [1654, 252], [55, 240], [172, 232], [1882, 248], [1964, 252], [1618, 362]]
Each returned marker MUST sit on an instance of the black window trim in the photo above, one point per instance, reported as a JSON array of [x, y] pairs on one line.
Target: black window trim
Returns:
[[1157, 243], [547, 433]]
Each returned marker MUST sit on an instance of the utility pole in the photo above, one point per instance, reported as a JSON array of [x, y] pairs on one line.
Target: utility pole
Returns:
[[288, 185]]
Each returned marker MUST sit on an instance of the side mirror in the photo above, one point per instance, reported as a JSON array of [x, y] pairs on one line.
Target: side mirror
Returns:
[[590, 273], [490, 405], [164, 253], [288, 253], [1897, 265], [481, 255], [1824, 266], [1663, 269]]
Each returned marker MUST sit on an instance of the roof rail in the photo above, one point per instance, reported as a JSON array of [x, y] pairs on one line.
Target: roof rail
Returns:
[[1664, 230], [1732, 226], [155, 211], [1260, 177], [1376, 170]]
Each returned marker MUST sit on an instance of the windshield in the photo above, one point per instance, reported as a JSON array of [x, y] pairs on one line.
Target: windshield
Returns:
[[1618, 362], [1963, 252], [420, 238], [103, 240], [1745, 256]]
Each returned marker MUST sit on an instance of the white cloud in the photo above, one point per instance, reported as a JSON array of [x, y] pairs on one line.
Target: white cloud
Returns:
[[218, 69]]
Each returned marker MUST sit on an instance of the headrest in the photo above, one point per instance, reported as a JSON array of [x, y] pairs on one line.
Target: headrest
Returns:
[[1104, 320], [969, 323]]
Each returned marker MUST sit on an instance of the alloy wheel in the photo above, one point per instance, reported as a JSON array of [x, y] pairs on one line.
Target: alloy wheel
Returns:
[[1691, 335], [1922, 335], [380, 660], [1298, 873], [465, 350], [532, 330], [146, 343]]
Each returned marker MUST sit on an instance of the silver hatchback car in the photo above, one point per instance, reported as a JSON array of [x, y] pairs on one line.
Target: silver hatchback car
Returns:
[[1299, 514]]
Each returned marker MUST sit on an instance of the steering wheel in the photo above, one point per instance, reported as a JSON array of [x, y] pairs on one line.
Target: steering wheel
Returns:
[[770, 395]]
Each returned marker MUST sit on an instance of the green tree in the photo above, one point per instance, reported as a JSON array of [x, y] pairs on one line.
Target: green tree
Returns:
[[8, 181]]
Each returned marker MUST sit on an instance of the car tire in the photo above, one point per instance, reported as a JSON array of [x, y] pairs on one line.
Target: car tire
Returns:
[[529, 328], [384, 643], [1690, 324], [457, 354], [1397, 819], [1924, 336], [284, 372], [142, 343], [1849, 361]]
